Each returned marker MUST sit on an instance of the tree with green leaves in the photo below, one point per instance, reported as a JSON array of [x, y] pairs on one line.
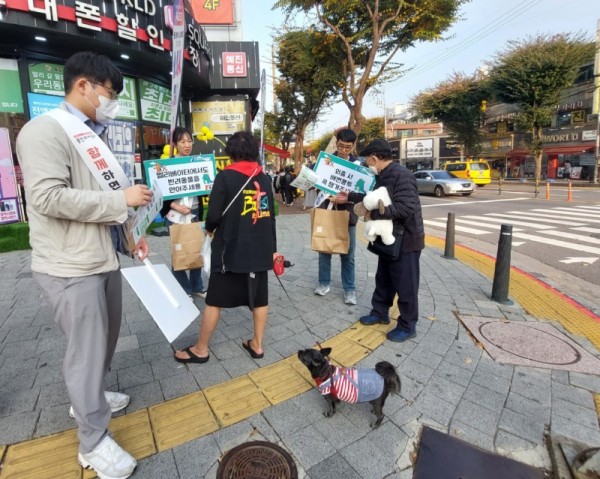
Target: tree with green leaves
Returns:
[[532, 73], [371, 33], [372, 128], [309, 78], [457, 103]]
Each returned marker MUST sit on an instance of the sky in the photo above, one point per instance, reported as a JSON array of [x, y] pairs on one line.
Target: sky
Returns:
[[485, 28]]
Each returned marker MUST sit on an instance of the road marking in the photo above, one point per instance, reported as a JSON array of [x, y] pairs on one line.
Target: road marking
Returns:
[[518, 243], [478, 223], [519, 223], [573, 236], [571, 260], [570, 211], [564, 244], [469, 203], [587, 230], [536, 218], [589, 207], [549, 215], [462, 229]]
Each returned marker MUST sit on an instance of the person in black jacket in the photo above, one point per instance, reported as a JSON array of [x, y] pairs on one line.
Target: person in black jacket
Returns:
[[399, 276], [241, 219]]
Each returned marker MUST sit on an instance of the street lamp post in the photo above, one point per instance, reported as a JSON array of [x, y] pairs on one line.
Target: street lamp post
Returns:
[[596, 106]]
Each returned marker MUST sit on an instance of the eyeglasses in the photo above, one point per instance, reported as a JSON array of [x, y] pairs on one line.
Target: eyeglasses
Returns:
[[113, 92], [345, 147]]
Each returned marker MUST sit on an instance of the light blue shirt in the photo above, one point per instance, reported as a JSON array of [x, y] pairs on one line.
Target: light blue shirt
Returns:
[[97, 128]]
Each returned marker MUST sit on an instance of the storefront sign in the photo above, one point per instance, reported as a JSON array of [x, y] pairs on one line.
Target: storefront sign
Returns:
[[211, 12], [419, 148], [11, 100], [234, 64], [221, 117], [588, 135], [156, 102], [9, 207], [40, 104], [185, 176], [121, 141], [46, 78], [128, 100], [560, 137], [336, 174]]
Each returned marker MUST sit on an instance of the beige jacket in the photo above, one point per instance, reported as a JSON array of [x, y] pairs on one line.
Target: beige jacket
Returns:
[[69, 214]]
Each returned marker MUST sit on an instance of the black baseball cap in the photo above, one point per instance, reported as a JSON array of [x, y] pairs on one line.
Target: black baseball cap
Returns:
[[377, 146]]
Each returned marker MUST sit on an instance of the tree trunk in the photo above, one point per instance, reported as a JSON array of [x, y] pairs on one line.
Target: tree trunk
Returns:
[[538, 152], [299, 149], [357, 119]]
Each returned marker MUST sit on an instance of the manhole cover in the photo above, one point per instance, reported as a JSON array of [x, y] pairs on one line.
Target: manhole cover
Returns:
[[257, 460], [529, 343]]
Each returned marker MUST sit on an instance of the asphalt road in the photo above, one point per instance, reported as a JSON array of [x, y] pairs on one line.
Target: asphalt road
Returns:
[[556, 239]]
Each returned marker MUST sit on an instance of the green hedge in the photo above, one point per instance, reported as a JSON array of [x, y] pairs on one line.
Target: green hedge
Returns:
[[14, 237]]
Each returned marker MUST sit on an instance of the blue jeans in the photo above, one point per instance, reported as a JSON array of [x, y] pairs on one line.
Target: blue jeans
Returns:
[[192, 283], [347, 264]]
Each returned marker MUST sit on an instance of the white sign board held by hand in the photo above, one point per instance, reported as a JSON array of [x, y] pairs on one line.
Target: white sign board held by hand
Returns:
[[306, 179], [166, 301], [336, 174]]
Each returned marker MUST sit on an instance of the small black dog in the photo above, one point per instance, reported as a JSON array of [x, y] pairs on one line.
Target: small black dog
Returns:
[[351, 384]]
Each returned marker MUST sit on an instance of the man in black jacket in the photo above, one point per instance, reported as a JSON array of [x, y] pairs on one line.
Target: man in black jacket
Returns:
[[399, 276]]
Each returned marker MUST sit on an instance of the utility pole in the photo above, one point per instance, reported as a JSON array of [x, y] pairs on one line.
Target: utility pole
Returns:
[[596, 106]]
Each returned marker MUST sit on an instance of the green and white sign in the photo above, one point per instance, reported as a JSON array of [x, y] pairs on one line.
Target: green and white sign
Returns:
[[156, 102], [11, 99], [128, 100], [47, 78], [336, 174], [184, 176]]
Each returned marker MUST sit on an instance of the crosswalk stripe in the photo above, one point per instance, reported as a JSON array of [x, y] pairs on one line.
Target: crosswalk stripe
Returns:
[[573, 236], [462, 229], [549, 215], [553, 242], [536, 218], [589, 207], [519, 223], [569, 211], [478, 223], [587, 230]]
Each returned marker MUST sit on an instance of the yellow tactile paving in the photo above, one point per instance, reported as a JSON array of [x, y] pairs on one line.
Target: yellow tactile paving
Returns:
[[235, 400], [344, 351], [300, 368], [597, 401], [2, 449], [371, 337], [181, 420], [539, 300], [52, 456], [279, 382]]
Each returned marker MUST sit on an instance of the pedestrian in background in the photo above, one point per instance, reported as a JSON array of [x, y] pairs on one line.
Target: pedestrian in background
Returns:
[[241, 216], [185, 210], [400, 276], [345, 141]]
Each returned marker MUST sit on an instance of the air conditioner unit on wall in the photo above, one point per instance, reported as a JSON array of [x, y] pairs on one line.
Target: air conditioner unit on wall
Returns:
[[592, 117]]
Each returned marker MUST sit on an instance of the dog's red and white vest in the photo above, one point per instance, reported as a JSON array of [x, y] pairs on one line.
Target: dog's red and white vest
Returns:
[[352, 385]]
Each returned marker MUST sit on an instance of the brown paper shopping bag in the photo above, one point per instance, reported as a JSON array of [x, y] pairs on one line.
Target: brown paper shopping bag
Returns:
[[186, 244], [330, 231]]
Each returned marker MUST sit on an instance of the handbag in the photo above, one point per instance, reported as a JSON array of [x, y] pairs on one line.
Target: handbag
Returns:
[[388, 252], [186, 245], [329, 230]]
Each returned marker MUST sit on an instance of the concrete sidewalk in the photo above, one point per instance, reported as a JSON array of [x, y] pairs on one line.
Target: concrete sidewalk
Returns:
[[447, 380]]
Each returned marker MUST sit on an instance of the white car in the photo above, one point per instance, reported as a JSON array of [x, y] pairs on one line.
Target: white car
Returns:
[[441, 183]]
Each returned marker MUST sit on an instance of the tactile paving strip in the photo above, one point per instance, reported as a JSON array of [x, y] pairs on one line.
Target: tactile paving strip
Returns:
[[371, 337], [536, 297], [344, 351], [181, 420], [279, 382], [52, 456], [597, 401], [235, 400]]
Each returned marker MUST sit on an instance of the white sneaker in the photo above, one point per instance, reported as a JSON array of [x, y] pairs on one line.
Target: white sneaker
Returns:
[[109, 460], [349, 297], [116, 401], [200, 294], [322, 289]]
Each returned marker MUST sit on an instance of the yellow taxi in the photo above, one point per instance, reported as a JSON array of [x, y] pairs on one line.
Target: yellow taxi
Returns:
[[478, 171]]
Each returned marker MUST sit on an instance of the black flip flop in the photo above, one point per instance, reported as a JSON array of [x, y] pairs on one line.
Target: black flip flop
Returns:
[[251, 352], [193, 358]]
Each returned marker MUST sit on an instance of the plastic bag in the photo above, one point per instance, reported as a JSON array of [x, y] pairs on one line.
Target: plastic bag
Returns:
[[205, 253]]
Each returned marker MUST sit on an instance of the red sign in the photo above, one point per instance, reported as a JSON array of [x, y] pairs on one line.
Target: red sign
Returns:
[[234, 64], [211, 12]]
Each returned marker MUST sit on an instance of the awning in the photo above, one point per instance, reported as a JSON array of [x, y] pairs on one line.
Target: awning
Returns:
[[556, 150], [277, 151]]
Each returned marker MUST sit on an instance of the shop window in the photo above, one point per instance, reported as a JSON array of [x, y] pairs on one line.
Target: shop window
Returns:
[[564, 119]]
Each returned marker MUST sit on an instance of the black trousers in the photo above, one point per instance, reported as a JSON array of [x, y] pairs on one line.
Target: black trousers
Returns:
[[399, 277]]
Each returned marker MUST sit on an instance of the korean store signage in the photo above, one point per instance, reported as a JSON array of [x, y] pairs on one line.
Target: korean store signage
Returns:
[[419, 148], [127, 100], [11, 100], [46, 78], [40, 104], [222, 117], [211, 12], [156, 102], [234, 64]]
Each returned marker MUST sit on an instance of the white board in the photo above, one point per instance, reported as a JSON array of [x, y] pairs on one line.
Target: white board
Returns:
[[172, 315]]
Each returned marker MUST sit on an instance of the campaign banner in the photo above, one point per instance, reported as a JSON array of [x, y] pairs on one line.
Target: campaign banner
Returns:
[[306, 179], [184, 176], [144, 215], [336, 174], [177, 64]]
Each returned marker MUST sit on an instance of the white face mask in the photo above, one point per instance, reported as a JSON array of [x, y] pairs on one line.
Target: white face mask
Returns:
[[374, 170], [107, 110]]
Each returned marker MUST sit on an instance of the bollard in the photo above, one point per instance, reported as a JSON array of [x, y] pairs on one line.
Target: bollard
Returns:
[[500, 186], [569, 191], [502, 269], [449, 248], [547, 190]]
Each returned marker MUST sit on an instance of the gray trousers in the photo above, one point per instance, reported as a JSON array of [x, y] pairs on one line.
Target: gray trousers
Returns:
[[88, 311]]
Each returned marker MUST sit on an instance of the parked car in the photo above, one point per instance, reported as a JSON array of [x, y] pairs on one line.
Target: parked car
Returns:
[[440, 183], [477, 171]]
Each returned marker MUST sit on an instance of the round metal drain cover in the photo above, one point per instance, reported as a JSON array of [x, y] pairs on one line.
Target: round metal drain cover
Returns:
[[529, 343], [257, 460]]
